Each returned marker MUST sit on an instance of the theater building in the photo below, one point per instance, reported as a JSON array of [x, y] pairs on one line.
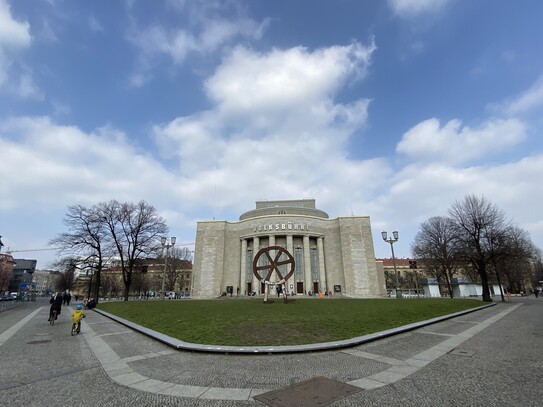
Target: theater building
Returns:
[[330, 255]]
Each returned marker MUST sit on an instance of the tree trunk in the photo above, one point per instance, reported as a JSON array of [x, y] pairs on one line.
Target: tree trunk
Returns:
[[449, 286], [96, 293], [481, 267], [127, 280]]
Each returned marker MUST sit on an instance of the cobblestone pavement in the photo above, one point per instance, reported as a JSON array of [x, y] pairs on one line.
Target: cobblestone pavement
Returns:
[[492, 357]]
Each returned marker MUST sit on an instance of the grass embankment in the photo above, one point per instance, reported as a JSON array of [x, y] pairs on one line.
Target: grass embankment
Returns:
[[250, 322]]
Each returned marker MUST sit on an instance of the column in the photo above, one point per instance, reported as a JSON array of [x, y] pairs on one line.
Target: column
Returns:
[[256, 248], [243, 271], [308, 286], [323, 286], [291, 280], [271, 242]]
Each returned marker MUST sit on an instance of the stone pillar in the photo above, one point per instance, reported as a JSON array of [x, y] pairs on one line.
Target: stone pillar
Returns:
[[308, 286], [291, 280], [323, 284], [271, 242], [256, 248], [243, 271]]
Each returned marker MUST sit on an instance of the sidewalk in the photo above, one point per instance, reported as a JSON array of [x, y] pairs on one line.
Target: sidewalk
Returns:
[[219, 377], [458, 361]]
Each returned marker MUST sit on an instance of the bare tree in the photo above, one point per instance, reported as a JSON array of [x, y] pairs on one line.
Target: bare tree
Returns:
[[87, 237], [140, 280], [6, 271], [183, 253], [515, 258], [65, 279], [177, 259], [135, 230], [478, 223], [537, 277], [111, 284], [389, 279], [435, 244]]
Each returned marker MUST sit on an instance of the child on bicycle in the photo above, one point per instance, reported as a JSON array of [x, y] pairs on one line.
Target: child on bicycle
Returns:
[[77, 316]]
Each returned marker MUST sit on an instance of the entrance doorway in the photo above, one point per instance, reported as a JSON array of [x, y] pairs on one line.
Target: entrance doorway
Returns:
[[299, 287], [315, 287]]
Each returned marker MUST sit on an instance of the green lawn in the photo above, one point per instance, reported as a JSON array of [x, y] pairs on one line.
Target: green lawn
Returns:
[[250, 322]]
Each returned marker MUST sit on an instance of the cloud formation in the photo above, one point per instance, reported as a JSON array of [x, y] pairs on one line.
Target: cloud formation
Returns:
[[413, 8], [527, 100], [273, 111], [207, 33], [14, 37], [454, 143]]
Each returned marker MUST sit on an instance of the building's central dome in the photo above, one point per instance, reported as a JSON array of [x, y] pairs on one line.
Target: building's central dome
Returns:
[[305, 207]]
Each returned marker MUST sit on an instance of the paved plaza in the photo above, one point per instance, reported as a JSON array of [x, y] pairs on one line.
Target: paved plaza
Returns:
[[492, 357]]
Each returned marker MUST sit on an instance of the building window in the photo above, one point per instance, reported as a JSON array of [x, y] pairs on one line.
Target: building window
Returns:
[[263, 261], [298, 258], [314, 258], [249, 264], [283, 269]]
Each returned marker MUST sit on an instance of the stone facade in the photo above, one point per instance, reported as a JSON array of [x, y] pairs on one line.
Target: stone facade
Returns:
[[331, 255]]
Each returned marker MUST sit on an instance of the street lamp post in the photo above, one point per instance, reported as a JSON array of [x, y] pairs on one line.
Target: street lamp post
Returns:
[[393, 240], [165, 244]]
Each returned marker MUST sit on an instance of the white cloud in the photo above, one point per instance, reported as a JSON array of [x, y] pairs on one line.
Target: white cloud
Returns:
[[13, 34], [60, 108], [95, 25], [207, 34], [412, 8], [177, 44], [419, 191], [454, 143], [47, 32], [57, 163], [15, 38], [526, 101], [275, 129], [289, 80], [26, 88]]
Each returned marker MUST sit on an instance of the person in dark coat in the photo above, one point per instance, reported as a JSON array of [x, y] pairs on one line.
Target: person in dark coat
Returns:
[[56, 304]]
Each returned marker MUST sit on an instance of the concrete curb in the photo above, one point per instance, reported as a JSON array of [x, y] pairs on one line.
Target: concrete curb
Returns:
[[313, 347]]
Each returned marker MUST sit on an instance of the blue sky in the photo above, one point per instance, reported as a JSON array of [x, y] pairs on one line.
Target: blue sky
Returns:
[[392, 109]]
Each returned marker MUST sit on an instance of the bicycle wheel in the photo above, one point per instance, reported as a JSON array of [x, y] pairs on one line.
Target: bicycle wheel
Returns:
[[53, 317], [74, 329]]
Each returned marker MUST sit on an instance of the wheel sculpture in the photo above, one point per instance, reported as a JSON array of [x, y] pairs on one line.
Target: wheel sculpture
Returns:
[[277, 256]]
